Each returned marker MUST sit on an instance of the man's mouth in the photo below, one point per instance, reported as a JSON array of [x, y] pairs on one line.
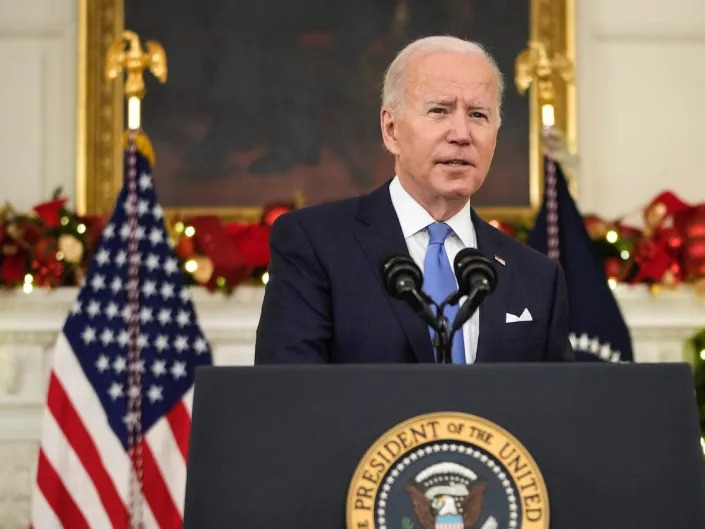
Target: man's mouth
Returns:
[[456, 162]]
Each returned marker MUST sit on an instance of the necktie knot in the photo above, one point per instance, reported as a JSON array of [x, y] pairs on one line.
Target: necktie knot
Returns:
[[438, 231]]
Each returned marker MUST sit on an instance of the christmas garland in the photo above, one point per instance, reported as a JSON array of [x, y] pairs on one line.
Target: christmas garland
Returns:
[[51, 245]]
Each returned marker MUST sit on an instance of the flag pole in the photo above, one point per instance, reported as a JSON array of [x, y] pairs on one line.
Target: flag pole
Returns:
[[126, 54]]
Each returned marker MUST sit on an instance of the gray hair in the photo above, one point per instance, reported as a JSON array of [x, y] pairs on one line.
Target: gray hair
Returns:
[[393, 89]]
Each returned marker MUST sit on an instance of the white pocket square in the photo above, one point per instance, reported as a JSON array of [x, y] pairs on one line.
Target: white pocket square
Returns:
[[525, 316]]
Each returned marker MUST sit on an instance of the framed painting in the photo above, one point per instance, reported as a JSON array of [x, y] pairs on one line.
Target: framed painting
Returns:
[[267, 101]]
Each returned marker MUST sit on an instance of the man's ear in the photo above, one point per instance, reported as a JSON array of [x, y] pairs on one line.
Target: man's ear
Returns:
[[388, 122]]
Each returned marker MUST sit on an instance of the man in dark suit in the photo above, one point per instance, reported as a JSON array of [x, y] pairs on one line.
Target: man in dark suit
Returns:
[[325, 301]]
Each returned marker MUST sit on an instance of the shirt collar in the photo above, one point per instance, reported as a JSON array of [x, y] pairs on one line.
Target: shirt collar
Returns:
[[414, 218]]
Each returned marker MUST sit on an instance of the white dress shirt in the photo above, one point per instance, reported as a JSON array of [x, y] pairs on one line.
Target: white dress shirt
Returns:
[[414, 219]]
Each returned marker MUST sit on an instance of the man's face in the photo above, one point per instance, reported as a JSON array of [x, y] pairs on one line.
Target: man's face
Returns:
[[444, 135]]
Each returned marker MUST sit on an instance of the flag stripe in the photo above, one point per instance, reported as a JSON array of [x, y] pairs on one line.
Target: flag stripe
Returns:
[[157, 494], [85, 449], [65, 461], [41, 510], [79, 391], [57, 496], [169, 460], [180, 422]]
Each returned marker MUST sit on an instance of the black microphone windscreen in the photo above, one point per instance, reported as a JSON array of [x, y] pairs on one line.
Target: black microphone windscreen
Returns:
[[395, 267], [471, 264]]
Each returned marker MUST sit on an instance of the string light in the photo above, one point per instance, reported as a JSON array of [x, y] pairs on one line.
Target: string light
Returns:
[[624, 254], [191, 266], [612, 236], [64, 221], [265, 278], [612, 282], [702, 354], [220, 281], [81, 228], [27, 287], [179, 227], [189, 231], [59, 256], [702, 444]]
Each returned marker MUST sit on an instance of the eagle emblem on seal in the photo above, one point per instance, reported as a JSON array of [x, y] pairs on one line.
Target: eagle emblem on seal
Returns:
[[448, 495]]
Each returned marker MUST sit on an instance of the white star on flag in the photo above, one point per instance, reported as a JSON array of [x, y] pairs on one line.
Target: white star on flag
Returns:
[[149, 288], [167, 291], [178, 370], [159, 368], [107, 337], [115, 391], [145, 182], [164, 316], [109, 232], [88, 335], [152, 262], [111, 310], [116, 285], [155, 393], [162, 342], [102, 256], [156, 236], [142, 207], [171, 266], [98, 282], [93, 309]]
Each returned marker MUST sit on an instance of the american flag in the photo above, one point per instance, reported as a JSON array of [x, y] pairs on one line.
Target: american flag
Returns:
[[121, 384]]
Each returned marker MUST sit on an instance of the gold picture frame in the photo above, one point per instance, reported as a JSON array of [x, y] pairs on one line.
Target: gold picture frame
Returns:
[[100, 108]]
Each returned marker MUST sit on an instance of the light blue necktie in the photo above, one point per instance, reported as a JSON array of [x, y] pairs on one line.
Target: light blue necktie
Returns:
[[439, 282]]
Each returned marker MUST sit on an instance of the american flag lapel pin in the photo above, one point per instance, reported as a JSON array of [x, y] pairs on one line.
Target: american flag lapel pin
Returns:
[[500, 260]]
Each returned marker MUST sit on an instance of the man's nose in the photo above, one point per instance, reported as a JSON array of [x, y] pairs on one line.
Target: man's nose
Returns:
[[459, 132]]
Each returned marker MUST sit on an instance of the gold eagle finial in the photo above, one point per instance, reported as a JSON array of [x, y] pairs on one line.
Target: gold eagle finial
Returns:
[[126, 53], [534, 65]]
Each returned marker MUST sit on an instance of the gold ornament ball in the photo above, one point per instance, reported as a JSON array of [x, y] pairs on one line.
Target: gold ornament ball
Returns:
[[204, 269], [71, 247]]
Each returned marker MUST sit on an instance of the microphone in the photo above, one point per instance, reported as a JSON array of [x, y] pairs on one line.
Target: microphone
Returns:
[[403, 280], [477, 278]]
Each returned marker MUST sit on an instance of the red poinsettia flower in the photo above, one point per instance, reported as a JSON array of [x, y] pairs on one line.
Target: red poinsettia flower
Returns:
[[50, 212], [252, 242], [12, 269]]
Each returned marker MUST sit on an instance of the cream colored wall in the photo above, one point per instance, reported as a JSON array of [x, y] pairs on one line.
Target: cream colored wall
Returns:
[[641, 108], [641, 73], [37, 99]]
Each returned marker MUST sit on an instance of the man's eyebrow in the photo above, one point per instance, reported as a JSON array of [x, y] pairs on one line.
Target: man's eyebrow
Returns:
[[443, 101]]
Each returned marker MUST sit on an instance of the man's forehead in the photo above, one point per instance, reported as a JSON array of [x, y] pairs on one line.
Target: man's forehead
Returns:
[[451, 73], [450, 90]]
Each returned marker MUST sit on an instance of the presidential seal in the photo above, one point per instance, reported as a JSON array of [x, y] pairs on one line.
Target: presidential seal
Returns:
[[447, 471]]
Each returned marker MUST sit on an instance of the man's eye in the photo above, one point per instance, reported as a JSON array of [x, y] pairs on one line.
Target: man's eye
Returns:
[[479, 115], [438, 110]]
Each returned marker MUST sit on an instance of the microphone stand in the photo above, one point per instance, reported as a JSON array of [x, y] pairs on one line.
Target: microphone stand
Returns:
[[442, 340]]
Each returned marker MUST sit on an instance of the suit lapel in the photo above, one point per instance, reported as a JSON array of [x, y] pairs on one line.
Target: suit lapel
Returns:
[[493, 309], [379, 234]]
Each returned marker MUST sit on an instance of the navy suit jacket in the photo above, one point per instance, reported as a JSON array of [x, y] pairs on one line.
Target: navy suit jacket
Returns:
[[325, 301]]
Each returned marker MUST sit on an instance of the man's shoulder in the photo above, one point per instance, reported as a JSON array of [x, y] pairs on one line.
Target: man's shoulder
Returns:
[[331, 215], [520, 252]]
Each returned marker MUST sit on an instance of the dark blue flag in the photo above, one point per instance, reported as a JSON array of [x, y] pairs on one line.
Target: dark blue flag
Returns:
[[597, 329]]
